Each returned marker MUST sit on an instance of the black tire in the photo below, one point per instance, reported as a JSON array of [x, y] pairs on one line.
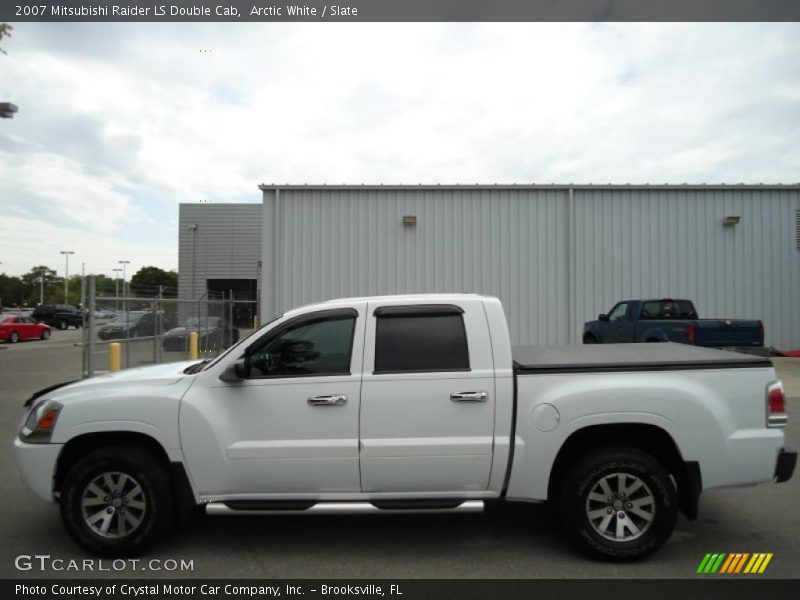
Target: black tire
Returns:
[[63, 325], [156, 496], [45, 334], [14, 337], [589, 339], [653, 341], [657, 492]]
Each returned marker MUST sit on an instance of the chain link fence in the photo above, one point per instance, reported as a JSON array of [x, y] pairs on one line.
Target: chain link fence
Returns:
[[157, 329]]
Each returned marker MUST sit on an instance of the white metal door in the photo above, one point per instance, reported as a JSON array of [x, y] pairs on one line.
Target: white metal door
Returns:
[[427, 429], [282, 434]]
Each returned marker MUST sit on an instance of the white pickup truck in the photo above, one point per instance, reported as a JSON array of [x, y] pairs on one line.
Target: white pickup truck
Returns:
[[406, 403]]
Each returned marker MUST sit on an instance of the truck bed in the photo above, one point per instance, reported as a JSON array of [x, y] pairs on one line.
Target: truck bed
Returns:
[[628, 357]]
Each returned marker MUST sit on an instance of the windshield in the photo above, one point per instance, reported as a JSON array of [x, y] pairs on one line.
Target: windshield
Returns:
[[131, 318], [205, 322], [244, 339]]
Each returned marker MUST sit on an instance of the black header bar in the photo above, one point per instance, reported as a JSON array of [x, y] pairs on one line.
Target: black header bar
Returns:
[[705, 587], [399, 10]]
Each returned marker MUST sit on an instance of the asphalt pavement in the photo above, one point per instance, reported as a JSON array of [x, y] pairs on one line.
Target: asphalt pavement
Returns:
[[518, 542]]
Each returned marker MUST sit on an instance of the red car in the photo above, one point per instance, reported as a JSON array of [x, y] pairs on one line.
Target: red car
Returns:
[[15, 328]]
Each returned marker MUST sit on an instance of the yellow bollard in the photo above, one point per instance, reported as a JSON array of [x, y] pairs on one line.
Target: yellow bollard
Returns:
[[255, 321], [114, 356], [193, 345]]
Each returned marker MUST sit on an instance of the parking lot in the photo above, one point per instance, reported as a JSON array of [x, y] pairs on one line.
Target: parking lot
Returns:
[[517, 542]]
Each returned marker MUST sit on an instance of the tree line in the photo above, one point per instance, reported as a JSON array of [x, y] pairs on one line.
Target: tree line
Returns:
[[43, 284]]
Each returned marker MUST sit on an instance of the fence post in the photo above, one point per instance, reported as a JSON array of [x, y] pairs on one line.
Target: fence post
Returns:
[[230, 320], [160, 322], [90, 328], [154, 309], [84, 338], [127, 310]]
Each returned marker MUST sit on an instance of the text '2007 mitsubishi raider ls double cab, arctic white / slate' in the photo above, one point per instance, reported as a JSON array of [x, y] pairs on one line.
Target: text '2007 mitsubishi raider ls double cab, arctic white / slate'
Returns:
[[406, 403]]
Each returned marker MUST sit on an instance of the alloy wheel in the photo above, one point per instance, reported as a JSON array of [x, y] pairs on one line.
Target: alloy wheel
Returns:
[[620, 507], [113, 504]]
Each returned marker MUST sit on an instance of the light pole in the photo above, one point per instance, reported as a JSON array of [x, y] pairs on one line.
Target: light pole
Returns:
[[66, 254], [116, 288], [124, 264], [41, 286]]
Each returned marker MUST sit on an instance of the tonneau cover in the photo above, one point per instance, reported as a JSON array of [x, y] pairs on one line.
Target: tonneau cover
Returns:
[[590, 358]]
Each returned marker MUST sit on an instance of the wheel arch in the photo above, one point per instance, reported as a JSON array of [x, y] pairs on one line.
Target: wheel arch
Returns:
[[81, 445], [591, 331], [657, 335], [646, 437]]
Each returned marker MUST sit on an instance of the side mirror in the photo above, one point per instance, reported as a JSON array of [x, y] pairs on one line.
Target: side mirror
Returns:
[[602, 317], [236, 371]]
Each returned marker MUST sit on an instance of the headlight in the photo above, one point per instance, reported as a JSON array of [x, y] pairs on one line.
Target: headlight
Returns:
[[38, 427]]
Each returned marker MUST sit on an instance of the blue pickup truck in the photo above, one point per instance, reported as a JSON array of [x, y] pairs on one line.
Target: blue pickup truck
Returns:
[[670, 320]]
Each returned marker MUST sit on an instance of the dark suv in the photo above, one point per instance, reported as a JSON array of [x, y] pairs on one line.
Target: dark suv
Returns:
[[58, 315]]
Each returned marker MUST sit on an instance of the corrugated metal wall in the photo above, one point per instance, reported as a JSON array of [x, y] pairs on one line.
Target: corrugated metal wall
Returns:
[[227, 244], [353, 242], [555, 256]]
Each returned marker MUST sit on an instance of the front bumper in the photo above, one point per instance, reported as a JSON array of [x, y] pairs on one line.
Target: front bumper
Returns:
[[36, 466], [784, 466]]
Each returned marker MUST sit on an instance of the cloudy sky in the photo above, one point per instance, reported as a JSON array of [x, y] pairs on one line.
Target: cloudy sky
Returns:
[[118, 124]]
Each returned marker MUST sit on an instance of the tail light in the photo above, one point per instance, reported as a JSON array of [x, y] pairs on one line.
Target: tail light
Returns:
[[776, 405], [691, 332]]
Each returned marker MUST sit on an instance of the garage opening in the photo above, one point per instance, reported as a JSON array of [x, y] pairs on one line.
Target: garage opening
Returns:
[[245, 297]]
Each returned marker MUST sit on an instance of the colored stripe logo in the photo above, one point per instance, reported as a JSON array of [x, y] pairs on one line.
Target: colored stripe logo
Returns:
[[735, 562]]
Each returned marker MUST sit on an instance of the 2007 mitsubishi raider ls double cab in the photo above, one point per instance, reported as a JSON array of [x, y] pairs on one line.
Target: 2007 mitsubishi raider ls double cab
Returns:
[[406, 403]]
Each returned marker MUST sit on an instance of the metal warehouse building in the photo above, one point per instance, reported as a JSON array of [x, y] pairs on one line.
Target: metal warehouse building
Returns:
[[556, 255]]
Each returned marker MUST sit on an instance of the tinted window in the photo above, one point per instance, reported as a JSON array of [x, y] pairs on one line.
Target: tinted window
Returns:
[[618, 312], [668, 309], [313, 347], [129, 318], [407, 343]]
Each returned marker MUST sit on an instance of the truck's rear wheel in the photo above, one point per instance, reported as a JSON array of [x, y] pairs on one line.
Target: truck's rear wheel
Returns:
[[619, 504], [116, 501], [589, 339]]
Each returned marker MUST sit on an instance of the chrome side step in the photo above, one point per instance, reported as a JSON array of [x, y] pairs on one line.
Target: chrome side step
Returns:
[[338, 508]]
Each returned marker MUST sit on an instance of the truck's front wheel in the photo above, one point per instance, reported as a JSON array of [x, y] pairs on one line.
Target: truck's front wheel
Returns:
[[115, 501], [619, 504]]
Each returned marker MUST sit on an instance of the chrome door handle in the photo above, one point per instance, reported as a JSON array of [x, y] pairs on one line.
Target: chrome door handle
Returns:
[[469, 396], [330, 400]]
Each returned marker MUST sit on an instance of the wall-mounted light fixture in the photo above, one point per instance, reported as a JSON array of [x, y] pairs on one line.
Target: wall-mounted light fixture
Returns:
[[410, 220], [7, 110], [731, 220]]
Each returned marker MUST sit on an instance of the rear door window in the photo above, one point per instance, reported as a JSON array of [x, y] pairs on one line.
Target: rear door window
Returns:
[[407, 343]]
